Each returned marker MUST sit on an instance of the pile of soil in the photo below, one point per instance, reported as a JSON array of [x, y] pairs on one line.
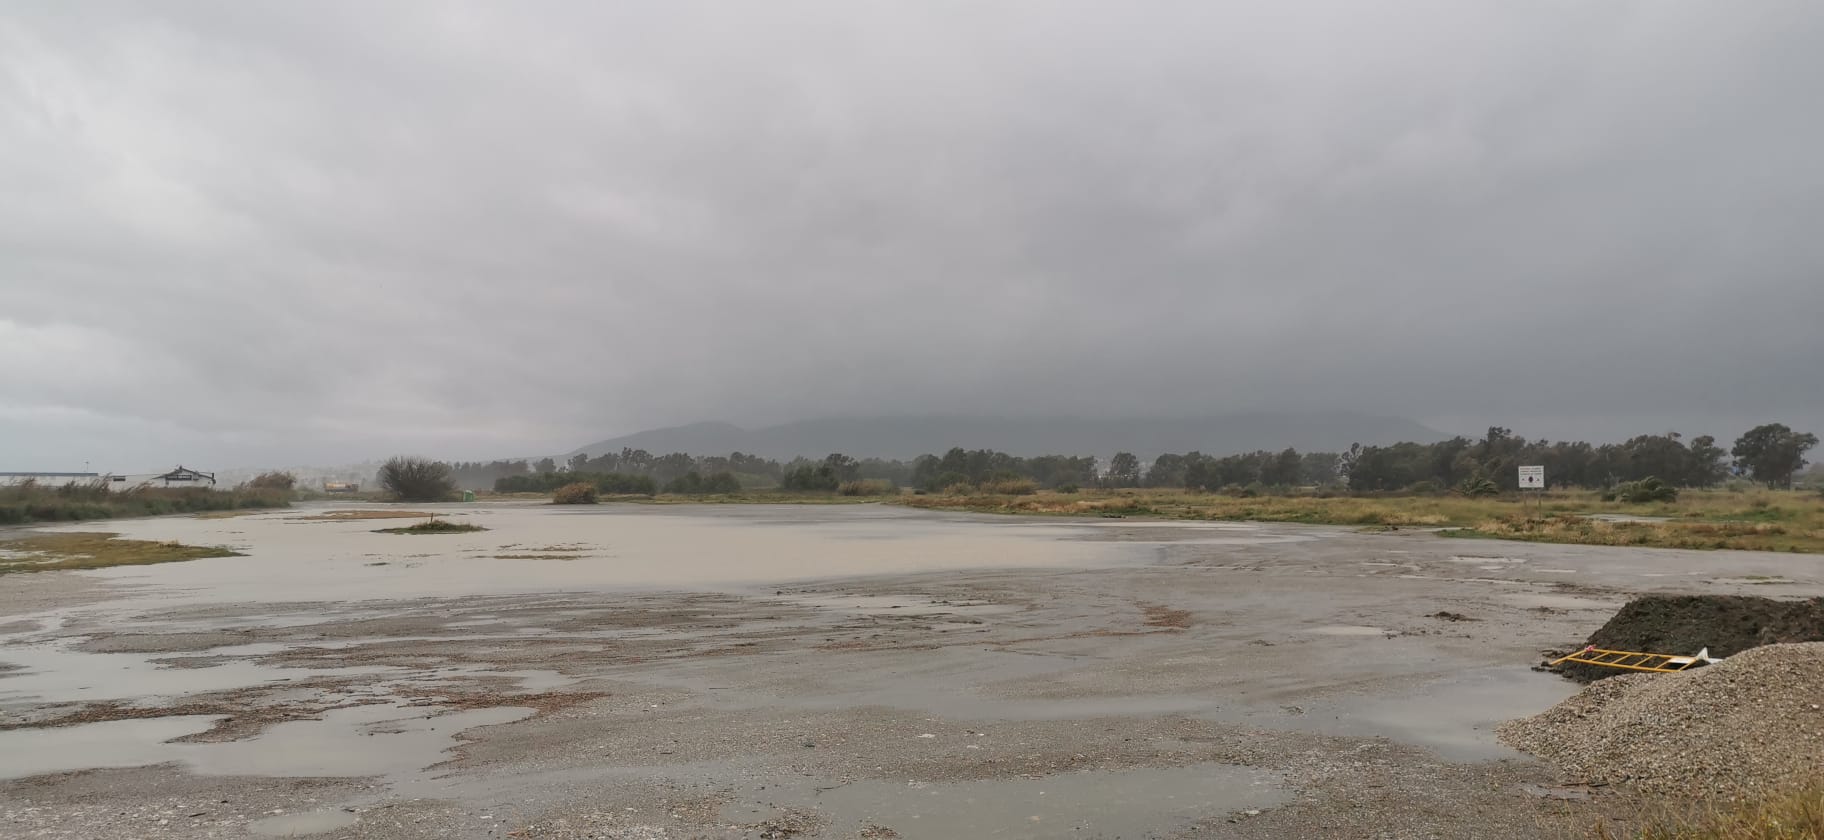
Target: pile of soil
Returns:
[[1747, 725], [1685, 624]]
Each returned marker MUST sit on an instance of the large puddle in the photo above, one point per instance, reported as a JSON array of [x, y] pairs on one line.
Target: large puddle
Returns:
[[375, 740], [1454, 717], [533, 548]]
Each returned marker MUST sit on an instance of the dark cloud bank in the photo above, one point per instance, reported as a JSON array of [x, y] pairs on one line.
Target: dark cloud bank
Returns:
[[250, 232]]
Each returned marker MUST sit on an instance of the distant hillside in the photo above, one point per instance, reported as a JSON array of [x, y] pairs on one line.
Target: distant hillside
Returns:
[[906, 437]]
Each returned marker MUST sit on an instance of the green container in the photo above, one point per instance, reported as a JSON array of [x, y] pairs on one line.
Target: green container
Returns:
[[468, 495]]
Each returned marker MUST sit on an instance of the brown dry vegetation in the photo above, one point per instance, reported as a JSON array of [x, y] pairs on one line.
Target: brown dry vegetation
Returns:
[[94, 550], [1794, 814]]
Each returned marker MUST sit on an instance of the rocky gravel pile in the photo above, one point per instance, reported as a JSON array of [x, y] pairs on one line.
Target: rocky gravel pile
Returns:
[[1750, 723]]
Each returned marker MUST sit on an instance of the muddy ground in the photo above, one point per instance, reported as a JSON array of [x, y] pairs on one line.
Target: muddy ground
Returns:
[[1092, 679]]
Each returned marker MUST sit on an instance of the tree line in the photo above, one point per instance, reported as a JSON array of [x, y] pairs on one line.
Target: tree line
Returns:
[[1771, 454]]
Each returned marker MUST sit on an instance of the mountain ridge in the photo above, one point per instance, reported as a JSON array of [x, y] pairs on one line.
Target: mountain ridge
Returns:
[[907, 436]]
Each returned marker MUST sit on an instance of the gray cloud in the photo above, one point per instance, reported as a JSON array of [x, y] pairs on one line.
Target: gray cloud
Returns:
[[277, 232]]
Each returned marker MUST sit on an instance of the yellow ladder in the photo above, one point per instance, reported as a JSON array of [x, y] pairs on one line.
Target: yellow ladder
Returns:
[[1659, 663]]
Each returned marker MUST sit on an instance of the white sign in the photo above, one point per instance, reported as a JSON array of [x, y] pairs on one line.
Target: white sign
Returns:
[[1532, 478]]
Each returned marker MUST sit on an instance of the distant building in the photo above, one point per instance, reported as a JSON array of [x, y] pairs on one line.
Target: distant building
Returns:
[[341, 487], [184, 476]]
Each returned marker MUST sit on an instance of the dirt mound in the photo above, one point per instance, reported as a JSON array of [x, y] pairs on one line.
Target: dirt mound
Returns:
[[1684, 624], [1751, 723]]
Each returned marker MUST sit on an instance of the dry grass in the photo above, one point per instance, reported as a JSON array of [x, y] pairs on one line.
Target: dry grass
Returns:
[[1677, 533], [1760, 520], [1795, 814], [357, 515], [94, 550]]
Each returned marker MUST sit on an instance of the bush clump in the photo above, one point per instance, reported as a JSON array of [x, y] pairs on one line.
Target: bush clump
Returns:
[[433, 526], [1478, 485], [1646, 490], [576, 493], [1010, 487], [417, 479], [866, 487], [276, 480]]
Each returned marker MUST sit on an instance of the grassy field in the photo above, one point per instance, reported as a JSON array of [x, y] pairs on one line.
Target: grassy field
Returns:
[[27, 502], [1755, 520], [57, 552]]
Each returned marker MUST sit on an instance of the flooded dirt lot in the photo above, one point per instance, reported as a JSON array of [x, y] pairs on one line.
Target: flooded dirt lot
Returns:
[[841, 672]]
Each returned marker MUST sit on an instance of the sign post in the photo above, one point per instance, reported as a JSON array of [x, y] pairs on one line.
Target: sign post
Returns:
[[1533, 478]]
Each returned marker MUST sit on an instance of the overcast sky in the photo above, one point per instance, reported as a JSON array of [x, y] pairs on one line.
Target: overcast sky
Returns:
[[262, 233]]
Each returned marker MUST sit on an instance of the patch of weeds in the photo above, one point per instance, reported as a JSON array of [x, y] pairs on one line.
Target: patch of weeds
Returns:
[[95, 550], [1790, 814], [434, 526]]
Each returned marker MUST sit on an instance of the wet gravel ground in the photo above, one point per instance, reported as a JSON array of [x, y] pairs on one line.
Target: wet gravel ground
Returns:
[[1312, 682]]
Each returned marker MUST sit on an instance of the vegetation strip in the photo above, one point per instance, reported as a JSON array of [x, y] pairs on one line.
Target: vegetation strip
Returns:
[[30, 502], [93, 550], [1760, 521]]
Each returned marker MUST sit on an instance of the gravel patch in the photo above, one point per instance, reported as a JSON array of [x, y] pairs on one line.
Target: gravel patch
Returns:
[[1749, 724]]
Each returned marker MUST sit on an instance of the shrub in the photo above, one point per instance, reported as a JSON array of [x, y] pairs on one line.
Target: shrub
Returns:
[[1011, 487], [274, 480], [1426, 487], [575, 493], [961, 488], [866, 487], [417, 479], [434, 526], [1649, 489], [1067, 488], [1478, 485]]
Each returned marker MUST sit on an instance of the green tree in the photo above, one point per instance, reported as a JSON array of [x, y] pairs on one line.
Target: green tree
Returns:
[[417, 479], [1282, 470], [1772, 453], [1124, 470], [1706, 466], [1320, 467], [1169, 470], [843, 467], [545, 465]]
